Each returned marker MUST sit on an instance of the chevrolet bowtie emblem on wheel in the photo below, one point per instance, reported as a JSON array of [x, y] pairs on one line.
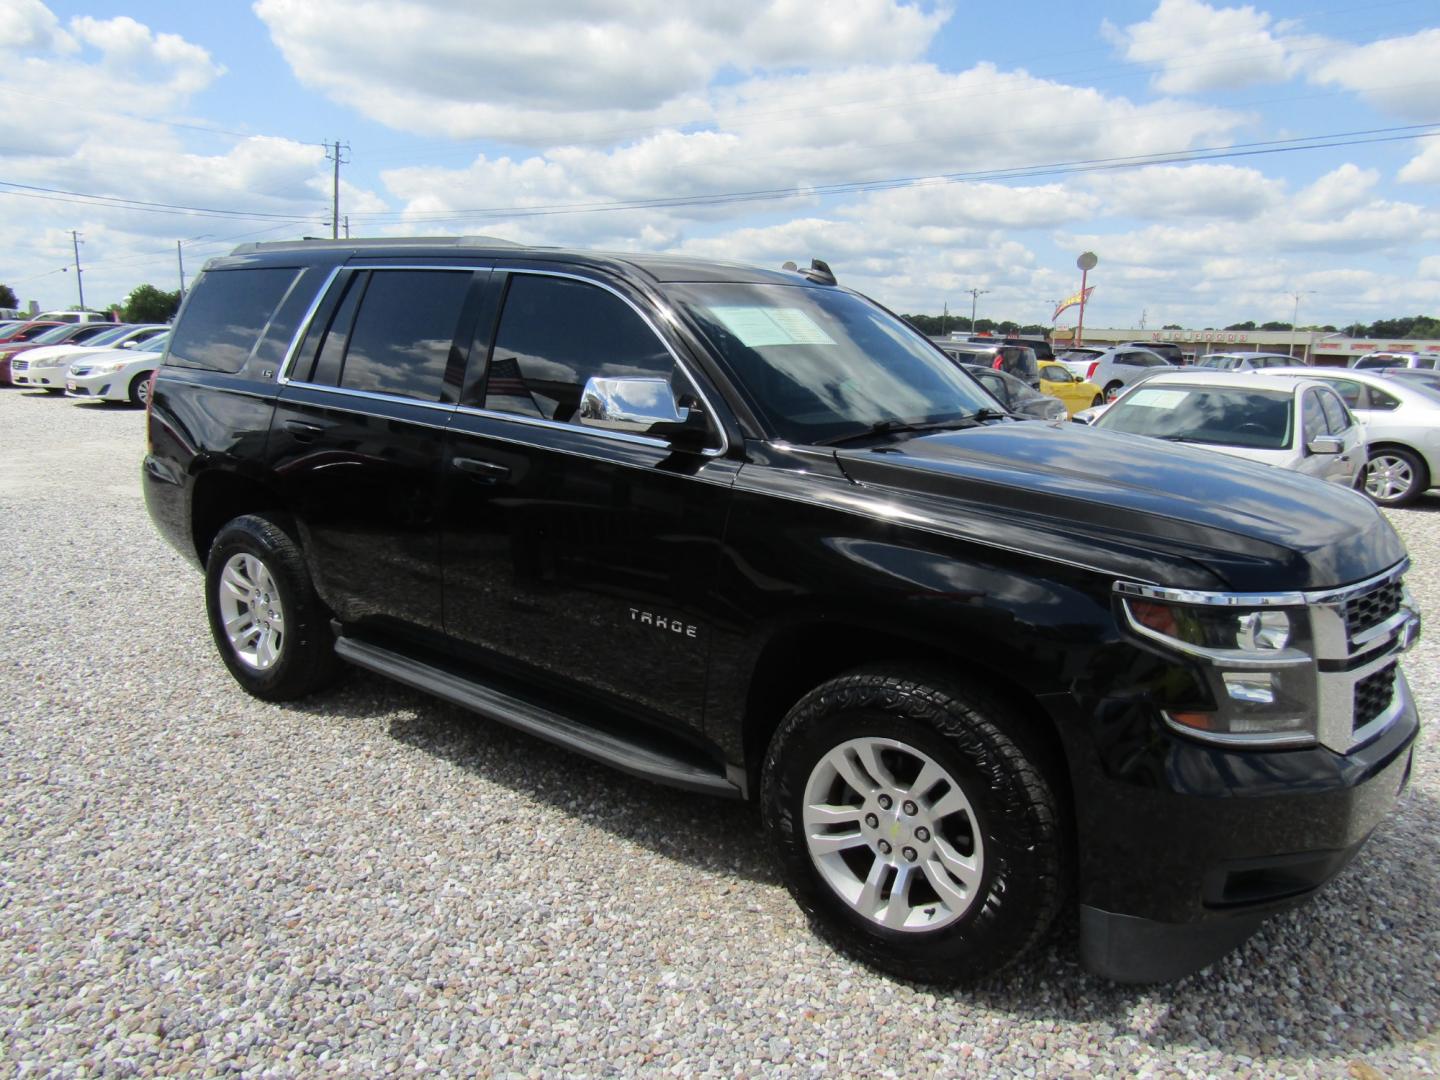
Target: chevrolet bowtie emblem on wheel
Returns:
[[661, 622]]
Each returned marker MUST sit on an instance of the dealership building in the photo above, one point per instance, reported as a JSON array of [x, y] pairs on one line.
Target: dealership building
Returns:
[[1311, 346]]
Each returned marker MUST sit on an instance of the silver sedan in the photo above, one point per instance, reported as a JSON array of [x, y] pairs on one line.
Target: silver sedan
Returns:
[[1402, 424]]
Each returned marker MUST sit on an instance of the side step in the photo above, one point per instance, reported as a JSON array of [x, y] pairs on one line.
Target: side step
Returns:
[[635, 755]]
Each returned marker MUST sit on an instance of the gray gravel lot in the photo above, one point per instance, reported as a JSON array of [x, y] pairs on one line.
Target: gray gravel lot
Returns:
[[372, 883]]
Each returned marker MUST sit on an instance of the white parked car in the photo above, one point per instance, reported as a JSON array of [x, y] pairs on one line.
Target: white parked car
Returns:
[[46, 368], [1402, 424], [1287, 421], [122, 377]]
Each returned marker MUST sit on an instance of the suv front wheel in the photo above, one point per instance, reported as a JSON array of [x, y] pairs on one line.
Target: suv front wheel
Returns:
[[913, 827], [271, 628]]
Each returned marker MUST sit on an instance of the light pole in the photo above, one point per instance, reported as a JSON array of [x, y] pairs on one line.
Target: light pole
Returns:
[[1295, 318], [1086, 262], [975, 295]]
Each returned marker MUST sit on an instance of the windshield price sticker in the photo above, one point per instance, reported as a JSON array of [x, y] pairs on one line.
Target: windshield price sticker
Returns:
[[757, 327], [1155, 398]]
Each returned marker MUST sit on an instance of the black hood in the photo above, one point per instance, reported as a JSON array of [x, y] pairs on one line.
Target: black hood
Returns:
[[1115, 501]]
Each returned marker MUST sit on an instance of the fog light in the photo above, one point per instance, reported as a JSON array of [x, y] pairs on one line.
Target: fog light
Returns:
[[1253, 687]]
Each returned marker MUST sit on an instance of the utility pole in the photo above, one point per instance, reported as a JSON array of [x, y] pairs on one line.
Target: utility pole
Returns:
[[975, 295], [347, 226], [339, 160], [79, 285], [944, 318], [181, 260], [1295, 318]]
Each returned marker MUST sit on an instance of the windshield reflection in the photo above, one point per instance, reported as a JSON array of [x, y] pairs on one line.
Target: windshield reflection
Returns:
[[819, 363]]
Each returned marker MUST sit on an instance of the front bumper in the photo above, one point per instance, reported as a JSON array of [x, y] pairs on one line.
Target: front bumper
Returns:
[[1184, 856], [97, 386]]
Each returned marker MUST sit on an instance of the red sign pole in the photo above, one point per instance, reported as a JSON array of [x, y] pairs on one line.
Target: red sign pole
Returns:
[[1080, 327]]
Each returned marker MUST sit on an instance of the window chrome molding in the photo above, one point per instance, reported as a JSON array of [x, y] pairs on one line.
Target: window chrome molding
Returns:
[[650, 324], [284, 378], [390, 399]]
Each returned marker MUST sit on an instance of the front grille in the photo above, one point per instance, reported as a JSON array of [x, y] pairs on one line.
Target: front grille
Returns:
[[19, 365], [1373, 695], [1372, 608]]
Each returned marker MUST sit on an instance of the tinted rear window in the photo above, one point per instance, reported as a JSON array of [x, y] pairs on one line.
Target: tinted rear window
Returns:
[[225, 314]]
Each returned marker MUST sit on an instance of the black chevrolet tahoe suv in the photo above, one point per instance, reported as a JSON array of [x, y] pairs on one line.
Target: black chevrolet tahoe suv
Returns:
[[748, 533]]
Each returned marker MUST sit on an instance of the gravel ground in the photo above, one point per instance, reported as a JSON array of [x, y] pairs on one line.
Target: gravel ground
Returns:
[[373, 883]]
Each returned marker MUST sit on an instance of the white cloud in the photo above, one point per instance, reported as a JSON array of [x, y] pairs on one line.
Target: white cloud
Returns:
[[1337, 192], [1198, 47], [572, 68], [1396, 74], [1185, 191], [30, 25], [1424, 167]]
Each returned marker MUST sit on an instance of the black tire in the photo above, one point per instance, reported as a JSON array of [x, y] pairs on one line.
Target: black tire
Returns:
[[140, 388], [304, 659], [1013, 820], [1113, 388], [1395, 476]]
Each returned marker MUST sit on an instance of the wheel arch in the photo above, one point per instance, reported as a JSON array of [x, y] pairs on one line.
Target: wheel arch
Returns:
[[220, 496], [799, 657]]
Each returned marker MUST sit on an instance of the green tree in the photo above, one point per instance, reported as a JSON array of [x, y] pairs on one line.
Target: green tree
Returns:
[[1242, 325], [1273, 326], [1172, 326], [1034, 330], [147, 304], [8, 297]]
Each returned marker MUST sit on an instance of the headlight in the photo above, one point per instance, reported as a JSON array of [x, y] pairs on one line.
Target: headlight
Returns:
[[1254, 653], [109, 367]]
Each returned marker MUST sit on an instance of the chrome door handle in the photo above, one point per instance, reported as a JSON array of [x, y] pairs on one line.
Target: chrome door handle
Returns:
[[485, 470]]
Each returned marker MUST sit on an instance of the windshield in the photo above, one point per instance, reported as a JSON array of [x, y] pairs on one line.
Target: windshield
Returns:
[[817, 364], [1217, 415], [109, 337], [55, 335]]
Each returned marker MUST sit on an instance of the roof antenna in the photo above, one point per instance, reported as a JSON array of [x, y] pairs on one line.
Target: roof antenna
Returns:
[[820, 272]]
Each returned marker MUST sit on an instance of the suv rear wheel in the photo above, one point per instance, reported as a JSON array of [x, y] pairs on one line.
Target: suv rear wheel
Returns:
[[271, 628], [913, 827]]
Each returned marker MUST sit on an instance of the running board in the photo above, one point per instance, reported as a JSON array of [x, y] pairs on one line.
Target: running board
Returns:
[[636, 756]]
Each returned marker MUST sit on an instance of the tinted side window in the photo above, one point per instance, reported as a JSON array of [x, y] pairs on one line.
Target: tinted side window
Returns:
[[1383, 401], [404, 331], [1426, 362], [1337, 417], [1314, 418], [225, 315], [1352, 393], [555, 333]]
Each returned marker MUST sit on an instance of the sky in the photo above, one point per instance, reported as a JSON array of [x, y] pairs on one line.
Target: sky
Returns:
[[1220, 161]]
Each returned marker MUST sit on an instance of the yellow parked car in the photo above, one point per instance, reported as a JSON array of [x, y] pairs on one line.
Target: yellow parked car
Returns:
[[1074, 392]]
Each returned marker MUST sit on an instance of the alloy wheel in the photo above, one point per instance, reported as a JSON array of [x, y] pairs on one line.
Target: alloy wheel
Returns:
[[893, 834], [253, 615]]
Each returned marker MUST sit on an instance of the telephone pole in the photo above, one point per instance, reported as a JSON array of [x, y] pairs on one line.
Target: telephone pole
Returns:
[[79, 285], [337, 157], [975, 295], [1295, 318], [181, 260]]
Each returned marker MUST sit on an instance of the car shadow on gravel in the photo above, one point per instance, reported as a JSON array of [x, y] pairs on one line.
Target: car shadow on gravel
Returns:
[[1353, 970], [708, 833], [1356, 969]]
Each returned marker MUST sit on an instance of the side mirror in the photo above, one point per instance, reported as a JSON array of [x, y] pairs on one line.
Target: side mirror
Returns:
[[1326, 444], [642, 404]]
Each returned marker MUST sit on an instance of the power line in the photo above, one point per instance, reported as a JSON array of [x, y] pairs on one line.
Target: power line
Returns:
[[117, 202], [1212, 153]]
